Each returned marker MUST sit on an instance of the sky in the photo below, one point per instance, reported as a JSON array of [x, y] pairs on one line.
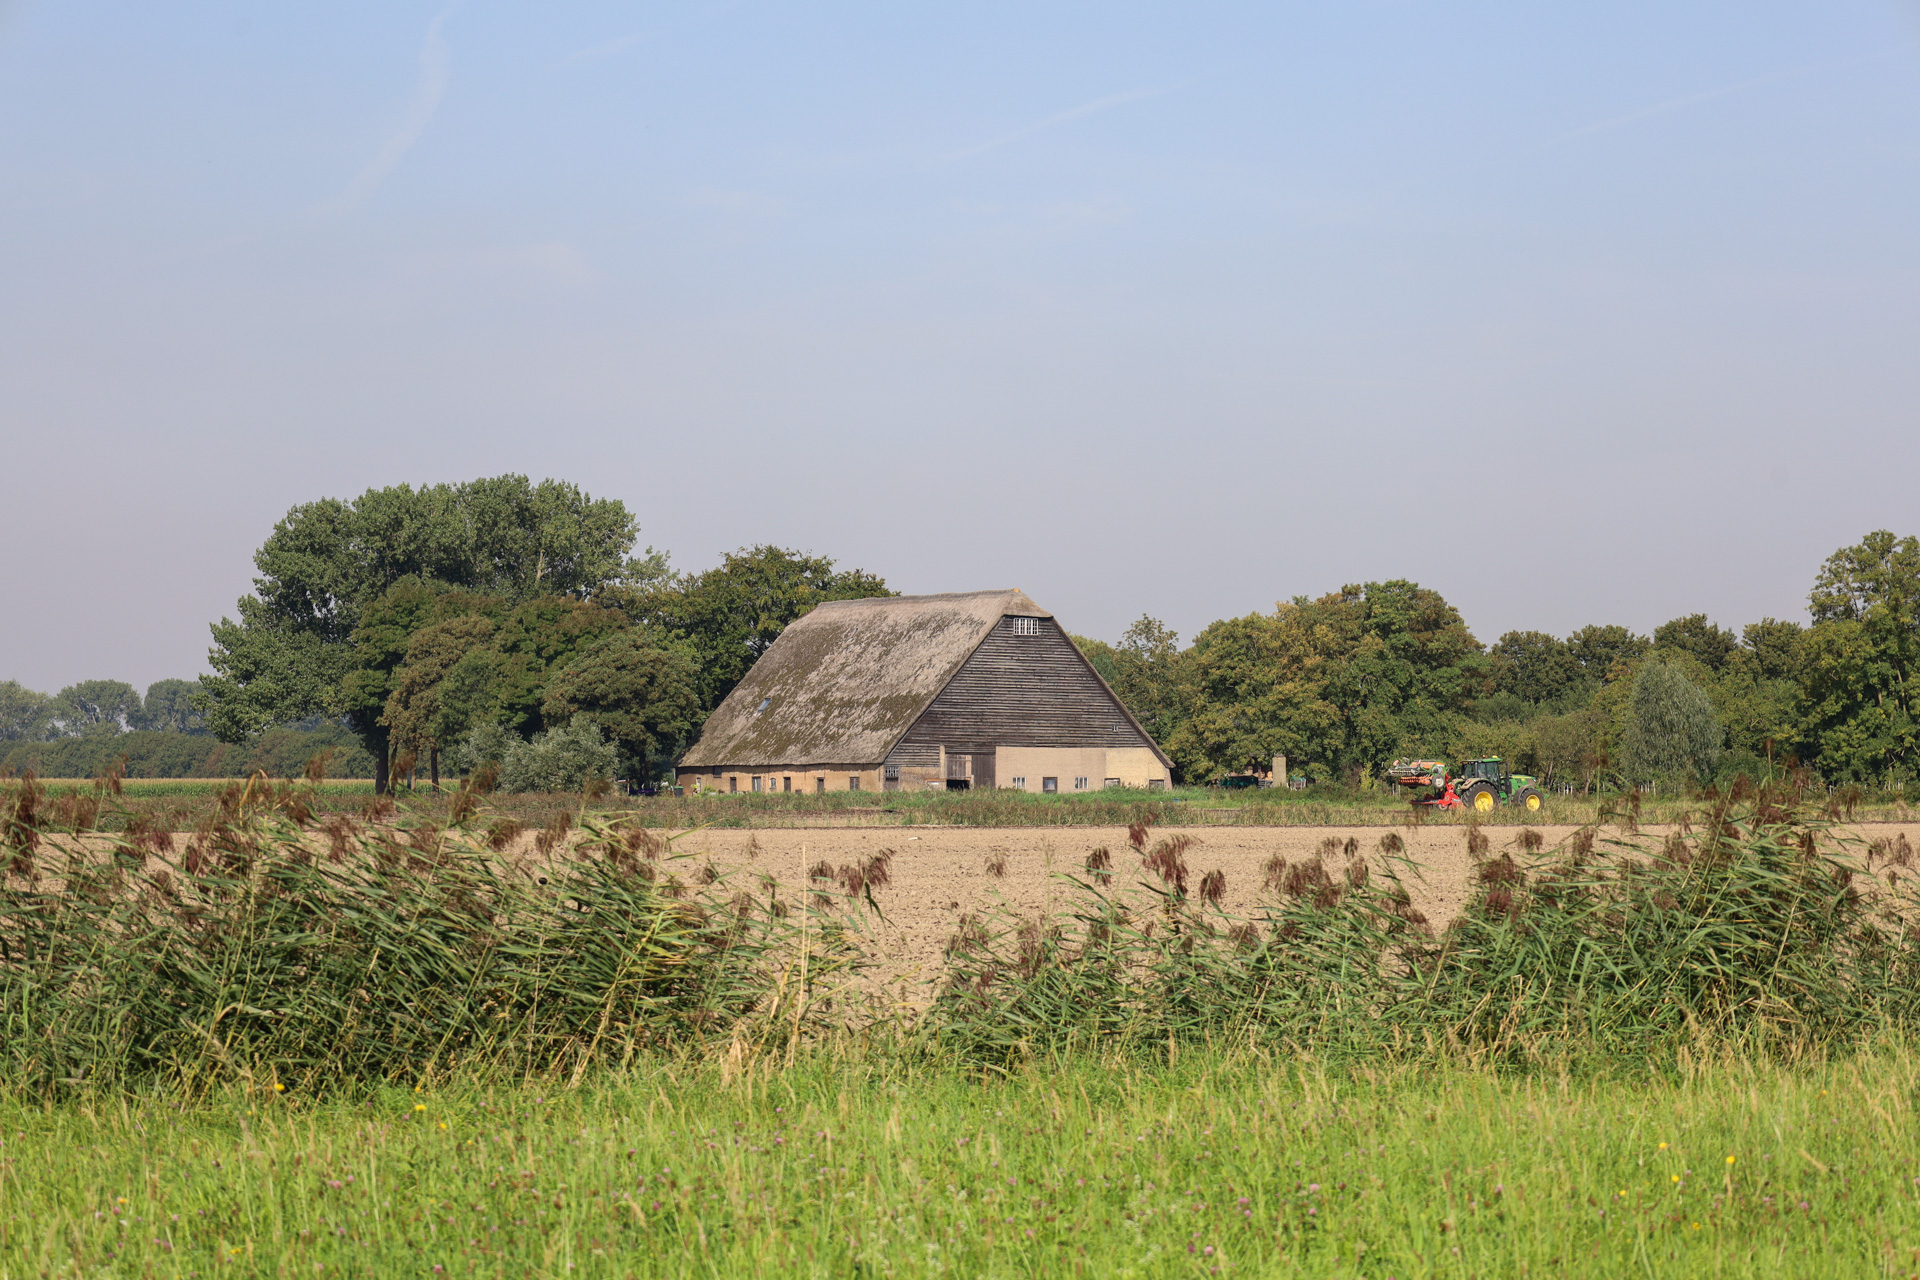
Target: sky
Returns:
[[1601, 313]]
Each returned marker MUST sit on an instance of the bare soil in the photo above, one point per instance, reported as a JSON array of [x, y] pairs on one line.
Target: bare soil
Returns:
[[940, 874]]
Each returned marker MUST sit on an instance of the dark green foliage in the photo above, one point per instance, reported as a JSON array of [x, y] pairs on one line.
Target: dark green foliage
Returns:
[[1150, 676], [643, 696], [1600, 651], [1714, 646], [168, 708], [280, 753], [295, 646], [25, 716], [1535, 667], [1861, 661], [275, 947], [97, 706]]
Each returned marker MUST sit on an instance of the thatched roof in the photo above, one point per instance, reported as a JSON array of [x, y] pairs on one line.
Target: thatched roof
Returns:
[[843, 683]]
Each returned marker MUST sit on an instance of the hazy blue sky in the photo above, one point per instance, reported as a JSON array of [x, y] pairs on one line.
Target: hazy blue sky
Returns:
[[1575, 313]]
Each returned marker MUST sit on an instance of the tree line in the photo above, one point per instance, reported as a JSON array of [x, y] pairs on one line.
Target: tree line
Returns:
[[1347, 682], [504, 622], [93, 725]]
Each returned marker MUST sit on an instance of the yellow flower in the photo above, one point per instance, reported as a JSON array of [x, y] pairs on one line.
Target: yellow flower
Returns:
[[1663, 1146], [443, 1124], [278, 1087], [1676, 1177], [419, 1106], [1729, 1159]]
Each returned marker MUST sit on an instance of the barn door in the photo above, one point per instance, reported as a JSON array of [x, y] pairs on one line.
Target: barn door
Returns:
[[959, 772]]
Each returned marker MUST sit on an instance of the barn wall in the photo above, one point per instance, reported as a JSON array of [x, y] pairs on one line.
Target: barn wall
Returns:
[[1023, 691]]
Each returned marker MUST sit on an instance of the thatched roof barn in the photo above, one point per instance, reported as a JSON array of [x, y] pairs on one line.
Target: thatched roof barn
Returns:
[[979, 689]]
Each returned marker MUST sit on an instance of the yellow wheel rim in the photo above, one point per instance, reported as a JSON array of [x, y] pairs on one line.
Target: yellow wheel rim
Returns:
[[1533, 804], [1484, 801]]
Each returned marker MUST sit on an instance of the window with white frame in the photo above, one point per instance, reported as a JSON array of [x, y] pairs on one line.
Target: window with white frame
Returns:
[[1026, 626], [757, 781], [1079, 784], [1020, 782]]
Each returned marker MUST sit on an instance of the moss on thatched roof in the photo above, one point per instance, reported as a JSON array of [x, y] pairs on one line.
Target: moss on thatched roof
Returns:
[[843, 683]]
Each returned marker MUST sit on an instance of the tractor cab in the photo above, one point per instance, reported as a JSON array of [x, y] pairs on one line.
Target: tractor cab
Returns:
[[1490, 769]]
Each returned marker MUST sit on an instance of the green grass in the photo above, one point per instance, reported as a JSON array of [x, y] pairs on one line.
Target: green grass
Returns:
[[1222, 1163]]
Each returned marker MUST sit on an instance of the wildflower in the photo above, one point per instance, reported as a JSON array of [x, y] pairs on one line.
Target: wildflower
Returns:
[[1675, 1177], [1662, 1147], [278, 1087], [1729, 1159], [419, 1106]]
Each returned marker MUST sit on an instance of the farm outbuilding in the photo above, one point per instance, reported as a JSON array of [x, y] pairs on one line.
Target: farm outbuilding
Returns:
[[969, 690]]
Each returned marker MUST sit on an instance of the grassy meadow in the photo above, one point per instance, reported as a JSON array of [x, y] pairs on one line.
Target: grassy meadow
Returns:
[[851, 1163]]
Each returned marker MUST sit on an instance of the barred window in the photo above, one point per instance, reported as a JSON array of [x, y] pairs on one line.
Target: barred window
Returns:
[[1026, 626]]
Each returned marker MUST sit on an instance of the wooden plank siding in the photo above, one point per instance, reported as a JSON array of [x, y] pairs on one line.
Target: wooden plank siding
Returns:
[[1020, 690]]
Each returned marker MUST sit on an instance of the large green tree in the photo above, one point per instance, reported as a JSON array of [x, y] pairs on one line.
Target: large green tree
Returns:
[[1401, 666], [1253, 691], [1535, 667], [1860, 660], [643, 695], [1713, 645], [25, 714], [97, 706], [1150, 676], [1673, 732], [1602, 650], [168, 708], [293, 648]]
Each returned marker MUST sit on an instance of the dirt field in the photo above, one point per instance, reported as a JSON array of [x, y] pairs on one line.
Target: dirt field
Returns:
[[938, 874]]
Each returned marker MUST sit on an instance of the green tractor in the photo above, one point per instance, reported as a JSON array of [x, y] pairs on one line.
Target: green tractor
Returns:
[[1482, 784]]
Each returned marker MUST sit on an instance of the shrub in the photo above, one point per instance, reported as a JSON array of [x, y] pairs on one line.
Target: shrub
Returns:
[[569, 757]]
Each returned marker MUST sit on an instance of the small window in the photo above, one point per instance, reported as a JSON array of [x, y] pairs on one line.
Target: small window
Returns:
[[764, 704], [1049, 785], [733, 782], [1156, 784], [1079, 784], [786, 784], [1113, 782], [853, 782], [820, 785], [1020, 782], [757, 780], [1026, 626]]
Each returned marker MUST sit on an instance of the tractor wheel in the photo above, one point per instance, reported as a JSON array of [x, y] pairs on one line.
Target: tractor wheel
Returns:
[[1479, 798], [1530, 800]]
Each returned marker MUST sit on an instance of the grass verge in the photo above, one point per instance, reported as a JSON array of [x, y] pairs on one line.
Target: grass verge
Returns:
[[1220, 1163]]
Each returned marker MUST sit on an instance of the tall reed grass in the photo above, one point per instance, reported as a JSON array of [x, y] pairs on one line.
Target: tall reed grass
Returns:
[[277, 945], [1761, 925]]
